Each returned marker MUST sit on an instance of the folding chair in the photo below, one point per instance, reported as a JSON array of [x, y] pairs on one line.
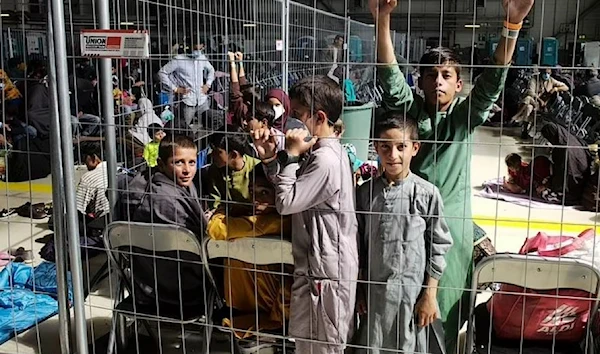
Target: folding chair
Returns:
[[534, 273], [162, 269], [264, 250]]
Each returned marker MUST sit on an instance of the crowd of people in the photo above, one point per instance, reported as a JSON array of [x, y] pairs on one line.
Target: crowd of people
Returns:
[[278, 167], [400, 246]]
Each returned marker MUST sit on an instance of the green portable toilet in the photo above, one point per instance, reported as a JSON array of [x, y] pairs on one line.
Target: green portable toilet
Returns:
[[550, 51], [357, 121], [524, 51], [492, 44]]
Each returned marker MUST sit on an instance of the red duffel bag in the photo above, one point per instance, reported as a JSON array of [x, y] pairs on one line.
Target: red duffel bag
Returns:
[[544, 315]]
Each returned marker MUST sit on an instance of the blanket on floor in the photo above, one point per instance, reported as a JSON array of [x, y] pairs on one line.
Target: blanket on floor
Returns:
[[492, 189], [27, 297]]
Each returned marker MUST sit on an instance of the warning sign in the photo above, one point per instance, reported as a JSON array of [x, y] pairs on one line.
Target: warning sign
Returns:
[[115, 43]]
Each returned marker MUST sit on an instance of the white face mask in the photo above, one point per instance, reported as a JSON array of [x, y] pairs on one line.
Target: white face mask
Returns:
[[279, 110]]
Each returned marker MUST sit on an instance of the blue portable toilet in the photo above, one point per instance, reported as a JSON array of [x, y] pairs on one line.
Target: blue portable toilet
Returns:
[[356, 49], [550, 51], [492, 45], [524, 51]]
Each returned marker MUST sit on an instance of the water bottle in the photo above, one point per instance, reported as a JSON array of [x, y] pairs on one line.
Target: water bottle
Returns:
[[166, 115]]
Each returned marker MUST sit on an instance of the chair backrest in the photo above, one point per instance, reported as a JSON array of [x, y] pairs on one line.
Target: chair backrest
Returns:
[[264, 250], [142, 236], [538, 273], [535, 273], [166, 261]]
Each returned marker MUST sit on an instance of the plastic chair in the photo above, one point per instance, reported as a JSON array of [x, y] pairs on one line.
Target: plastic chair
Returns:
[[151, 261], [534, 273]]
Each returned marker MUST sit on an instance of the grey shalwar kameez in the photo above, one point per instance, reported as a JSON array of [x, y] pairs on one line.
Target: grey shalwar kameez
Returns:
[[319, 194], [403, 237]]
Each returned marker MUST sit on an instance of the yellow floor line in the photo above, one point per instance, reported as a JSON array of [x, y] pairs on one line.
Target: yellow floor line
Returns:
[[487, 221], [535, 225], [25, 187]]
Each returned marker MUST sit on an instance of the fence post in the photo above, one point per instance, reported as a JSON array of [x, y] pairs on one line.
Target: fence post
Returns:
[[285, 22], [347, 61], [62, 84], [108, 112], [58, 206]]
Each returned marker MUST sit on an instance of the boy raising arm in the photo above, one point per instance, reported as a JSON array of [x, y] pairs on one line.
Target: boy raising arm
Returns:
[[448, 122], [319, 194]]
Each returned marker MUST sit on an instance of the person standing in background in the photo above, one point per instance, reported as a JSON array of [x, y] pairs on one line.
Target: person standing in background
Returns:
[[185, 76]]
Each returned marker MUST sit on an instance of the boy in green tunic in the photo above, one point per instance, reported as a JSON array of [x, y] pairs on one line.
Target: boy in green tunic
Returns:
[[446, 123]]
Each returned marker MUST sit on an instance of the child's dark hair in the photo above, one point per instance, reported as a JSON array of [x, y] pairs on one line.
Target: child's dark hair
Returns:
[[230, 139], [262, 111], [168, 145], [250, 93], [319, 93], [395, 120], [258, 173], [513, 160], [153, 129], [439, 56], [91, 149]]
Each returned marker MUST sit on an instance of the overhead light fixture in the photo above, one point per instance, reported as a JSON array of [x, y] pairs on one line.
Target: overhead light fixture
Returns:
[[127, 23], [249, 24], [472, 26], [4, 15]]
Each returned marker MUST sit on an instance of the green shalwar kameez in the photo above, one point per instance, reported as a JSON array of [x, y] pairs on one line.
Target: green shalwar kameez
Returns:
[[445, 160]]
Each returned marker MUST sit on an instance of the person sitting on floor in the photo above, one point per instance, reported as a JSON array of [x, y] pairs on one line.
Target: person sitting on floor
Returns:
[[246, 291], [571, 160], [521, 175], [229, 176], [170, 196], [91, 191], [591, 86]]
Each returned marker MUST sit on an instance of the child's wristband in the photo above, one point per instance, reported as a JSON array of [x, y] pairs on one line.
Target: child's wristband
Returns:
[[513, 26]]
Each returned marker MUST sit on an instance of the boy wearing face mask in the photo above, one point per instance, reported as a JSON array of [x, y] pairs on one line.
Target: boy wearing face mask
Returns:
[[185, 76]]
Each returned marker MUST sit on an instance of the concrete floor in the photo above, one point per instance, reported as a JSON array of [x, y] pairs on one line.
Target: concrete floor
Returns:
[[506, 224]]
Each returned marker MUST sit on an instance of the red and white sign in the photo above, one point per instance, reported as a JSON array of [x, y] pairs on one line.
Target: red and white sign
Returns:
[[115, 43]]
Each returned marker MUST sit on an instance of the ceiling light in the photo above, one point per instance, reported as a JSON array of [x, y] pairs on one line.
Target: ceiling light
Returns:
[[127, 23], [472, 26], [249, 24], [4, 15]]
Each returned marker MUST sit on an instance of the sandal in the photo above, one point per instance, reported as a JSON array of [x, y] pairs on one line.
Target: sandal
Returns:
[[7, 212], [34, 211], [5, 258], [21, 255]]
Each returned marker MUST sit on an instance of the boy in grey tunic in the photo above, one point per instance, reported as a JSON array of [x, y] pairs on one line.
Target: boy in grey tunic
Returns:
[[403, 240], [319, 194]]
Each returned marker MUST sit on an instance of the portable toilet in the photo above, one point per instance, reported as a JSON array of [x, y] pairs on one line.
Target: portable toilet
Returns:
[[550, 51], [356, 49], [492, 45], [591, 54], [524, 51]]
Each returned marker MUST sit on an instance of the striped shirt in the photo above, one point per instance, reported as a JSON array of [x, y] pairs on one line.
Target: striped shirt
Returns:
[[91, 192]]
